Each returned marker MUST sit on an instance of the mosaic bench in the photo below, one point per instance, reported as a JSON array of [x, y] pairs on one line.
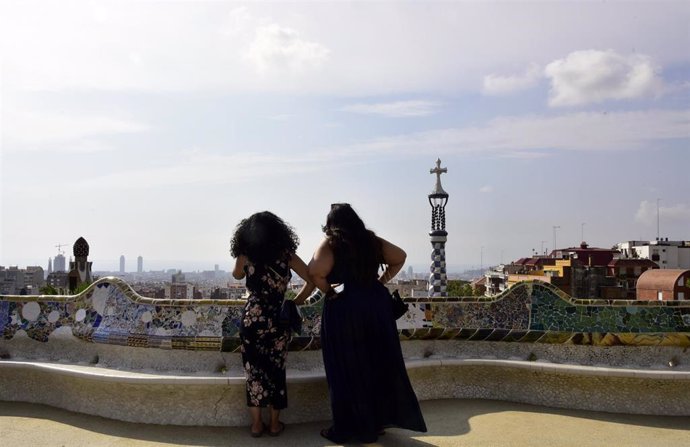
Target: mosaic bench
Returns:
[[111, 352]]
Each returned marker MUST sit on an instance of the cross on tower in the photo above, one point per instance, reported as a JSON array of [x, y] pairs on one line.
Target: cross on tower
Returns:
[[438, 170]]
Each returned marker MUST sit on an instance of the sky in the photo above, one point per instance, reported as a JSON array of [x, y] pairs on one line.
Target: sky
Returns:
[[153, 127]]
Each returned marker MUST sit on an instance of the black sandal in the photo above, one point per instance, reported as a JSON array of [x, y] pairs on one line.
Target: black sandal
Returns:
[[331, 435], [277, 433], [258, 434]]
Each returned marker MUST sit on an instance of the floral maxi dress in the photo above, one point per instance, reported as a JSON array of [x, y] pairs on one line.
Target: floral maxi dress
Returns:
[[264, 344]]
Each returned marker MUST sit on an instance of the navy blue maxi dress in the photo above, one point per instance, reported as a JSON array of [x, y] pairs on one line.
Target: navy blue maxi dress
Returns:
[[367, 380]]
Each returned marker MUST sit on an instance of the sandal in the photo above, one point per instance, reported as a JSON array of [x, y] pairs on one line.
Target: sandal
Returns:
[[257, 434], [331, 435], [277, 433]]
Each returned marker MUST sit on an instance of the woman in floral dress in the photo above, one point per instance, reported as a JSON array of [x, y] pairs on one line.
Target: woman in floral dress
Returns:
[[264, 247]]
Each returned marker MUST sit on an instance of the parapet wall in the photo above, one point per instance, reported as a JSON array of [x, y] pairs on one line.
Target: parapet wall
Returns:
[[110, 312]]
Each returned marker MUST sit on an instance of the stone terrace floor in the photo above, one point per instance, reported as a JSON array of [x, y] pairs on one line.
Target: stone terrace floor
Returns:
[[454, 422]]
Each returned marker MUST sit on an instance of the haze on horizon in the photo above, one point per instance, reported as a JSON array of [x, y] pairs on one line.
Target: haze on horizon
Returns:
[[152, 127]]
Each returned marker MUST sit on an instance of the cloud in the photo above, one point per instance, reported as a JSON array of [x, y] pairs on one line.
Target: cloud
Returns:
[[397, 109], [502, 85], [593, 76], [197, 167], [276, 49], [372, 49], [31, 130], [646, 213], [528, 136], [486, 189]]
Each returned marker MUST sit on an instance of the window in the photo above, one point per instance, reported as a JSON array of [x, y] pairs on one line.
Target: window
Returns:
[[680, 281], [660, 295], [681, 295]]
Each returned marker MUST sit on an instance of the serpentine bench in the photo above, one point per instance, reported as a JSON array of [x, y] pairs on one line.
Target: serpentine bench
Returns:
[[110, 352]]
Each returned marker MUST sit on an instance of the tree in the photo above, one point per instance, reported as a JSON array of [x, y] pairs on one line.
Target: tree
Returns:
[[81, 287], [458, 287], [48, 290]]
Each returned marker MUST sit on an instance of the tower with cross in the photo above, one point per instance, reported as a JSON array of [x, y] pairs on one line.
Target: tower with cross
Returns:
[[438, 279]]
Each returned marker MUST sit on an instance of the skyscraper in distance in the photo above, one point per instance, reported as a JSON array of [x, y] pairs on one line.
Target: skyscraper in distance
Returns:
[[122, 264], [140, 264], [59, 263]]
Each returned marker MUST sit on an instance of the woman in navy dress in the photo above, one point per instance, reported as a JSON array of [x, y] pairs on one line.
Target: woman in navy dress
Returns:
[[264, 247], [367, 380]]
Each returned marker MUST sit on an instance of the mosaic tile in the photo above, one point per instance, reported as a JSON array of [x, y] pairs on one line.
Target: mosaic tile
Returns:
[[110, 312]]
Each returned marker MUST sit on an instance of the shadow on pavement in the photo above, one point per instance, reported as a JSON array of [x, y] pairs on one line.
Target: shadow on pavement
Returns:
[[449, 422]]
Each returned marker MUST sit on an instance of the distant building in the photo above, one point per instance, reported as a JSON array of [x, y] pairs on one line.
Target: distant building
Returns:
[[410, 288], [16, 281], [58, 280], [50, 266], [122, 264], [667, 254], [140, 264], [479, 285], [581, 272], [220, 294], [80, 269], [628, 271], [179, 289], [586, 255], [59, 263], [664, 285], [495, 281]]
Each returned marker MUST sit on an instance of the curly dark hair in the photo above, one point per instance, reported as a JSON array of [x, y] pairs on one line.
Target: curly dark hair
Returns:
[[263, 237], [358, 247]]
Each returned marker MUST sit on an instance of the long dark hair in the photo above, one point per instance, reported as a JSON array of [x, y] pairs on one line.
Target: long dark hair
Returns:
[[263, 238], [353, 243]]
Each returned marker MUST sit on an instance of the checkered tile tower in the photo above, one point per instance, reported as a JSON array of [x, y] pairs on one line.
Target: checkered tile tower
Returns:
[[438, 280]]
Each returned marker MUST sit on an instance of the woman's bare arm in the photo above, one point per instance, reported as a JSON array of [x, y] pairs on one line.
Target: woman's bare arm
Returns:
[[238, 271], [321, 265], [394, 257], [299, 267]]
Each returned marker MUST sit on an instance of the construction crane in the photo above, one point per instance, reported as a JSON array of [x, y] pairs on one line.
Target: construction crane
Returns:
[[59, 247]]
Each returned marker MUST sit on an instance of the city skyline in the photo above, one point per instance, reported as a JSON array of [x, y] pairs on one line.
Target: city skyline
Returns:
[[155, 137]]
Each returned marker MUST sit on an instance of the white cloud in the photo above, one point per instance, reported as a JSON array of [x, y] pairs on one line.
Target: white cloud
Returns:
[[502, 85], [276, 49], [374, 48], [397, 109], [486, 189], [30, 130], [647, 213], [593, 76]]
